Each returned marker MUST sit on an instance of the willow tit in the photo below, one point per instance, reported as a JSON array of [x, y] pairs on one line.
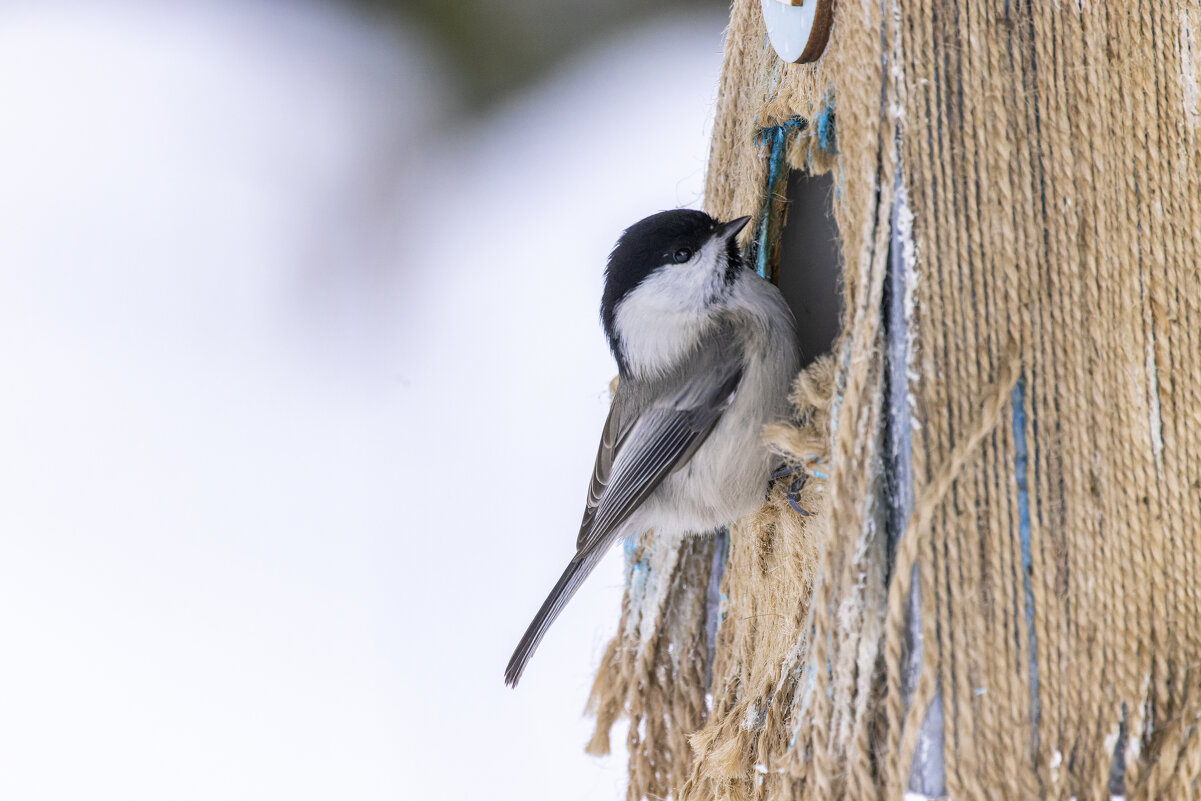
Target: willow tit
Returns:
[[706, 351]]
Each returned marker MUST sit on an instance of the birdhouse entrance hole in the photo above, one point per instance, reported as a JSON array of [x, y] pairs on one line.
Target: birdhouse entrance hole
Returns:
[[809, 262]]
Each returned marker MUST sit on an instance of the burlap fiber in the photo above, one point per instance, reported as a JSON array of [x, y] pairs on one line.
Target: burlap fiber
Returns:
[[1019, 204]]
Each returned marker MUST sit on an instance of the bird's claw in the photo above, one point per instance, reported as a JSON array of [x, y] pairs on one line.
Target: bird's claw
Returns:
[[797, 507], [794, 487], [783, 470]]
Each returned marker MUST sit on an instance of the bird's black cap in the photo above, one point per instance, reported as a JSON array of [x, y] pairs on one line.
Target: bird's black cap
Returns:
[[645, 246]]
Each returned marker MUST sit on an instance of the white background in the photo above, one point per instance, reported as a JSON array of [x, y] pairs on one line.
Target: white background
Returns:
[[302, 383]]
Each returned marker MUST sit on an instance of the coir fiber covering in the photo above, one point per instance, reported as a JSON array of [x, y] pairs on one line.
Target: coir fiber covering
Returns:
[[995, 594]]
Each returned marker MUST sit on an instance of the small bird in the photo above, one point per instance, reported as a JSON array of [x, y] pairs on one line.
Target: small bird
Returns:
[[706, 351]]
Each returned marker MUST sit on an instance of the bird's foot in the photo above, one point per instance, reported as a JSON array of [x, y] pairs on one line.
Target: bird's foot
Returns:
[[784, 470], [793, 492]]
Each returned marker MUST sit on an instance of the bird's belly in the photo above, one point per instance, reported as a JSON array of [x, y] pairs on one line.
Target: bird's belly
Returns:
[[727, 477], [724, 480]]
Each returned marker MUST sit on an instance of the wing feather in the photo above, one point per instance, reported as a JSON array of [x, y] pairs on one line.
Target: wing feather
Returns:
[[603, 468], [633, 460]]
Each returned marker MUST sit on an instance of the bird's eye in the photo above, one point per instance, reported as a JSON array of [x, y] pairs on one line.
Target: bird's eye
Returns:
[[682, 255]]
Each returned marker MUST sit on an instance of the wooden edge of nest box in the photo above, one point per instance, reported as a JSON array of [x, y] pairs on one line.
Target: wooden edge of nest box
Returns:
[[819, 35]]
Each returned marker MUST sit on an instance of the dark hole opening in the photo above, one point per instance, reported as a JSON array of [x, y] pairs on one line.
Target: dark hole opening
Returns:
[[810, 262]]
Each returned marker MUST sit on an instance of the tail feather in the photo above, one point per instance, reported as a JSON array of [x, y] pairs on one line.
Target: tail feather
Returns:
[[577, 570]]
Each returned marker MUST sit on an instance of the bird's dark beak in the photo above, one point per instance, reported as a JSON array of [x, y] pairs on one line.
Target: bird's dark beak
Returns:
[[730, 230]]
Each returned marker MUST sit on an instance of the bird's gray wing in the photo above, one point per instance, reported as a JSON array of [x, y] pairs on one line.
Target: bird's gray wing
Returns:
[[651, 431], [634, 458]]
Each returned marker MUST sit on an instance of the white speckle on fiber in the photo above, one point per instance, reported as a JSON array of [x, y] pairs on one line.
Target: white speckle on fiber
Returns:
[[897, 107], [660, 564], [1156, 419], [1111, 740], [912, 277], [752, 718], [1190, 67]]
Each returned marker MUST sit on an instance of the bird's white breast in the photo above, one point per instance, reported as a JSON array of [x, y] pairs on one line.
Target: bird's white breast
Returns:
[[727, 477]]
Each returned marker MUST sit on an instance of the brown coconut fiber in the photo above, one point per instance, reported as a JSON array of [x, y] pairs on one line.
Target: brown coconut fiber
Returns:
[[1029, 176]]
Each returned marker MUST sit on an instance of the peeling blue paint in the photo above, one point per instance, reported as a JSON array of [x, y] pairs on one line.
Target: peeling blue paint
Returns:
[[823, 125], [629, 545], [637, 570]]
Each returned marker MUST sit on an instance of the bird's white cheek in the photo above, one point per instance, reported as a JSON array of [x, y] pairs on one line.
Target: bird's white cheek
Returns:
[[660, 320], [712, 261]]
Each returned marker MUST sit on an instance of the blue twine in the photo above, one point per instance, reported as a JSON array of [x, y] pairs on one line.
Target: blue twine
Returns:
[[715, 599], [766, 136], [1020, 462], [777, 138]]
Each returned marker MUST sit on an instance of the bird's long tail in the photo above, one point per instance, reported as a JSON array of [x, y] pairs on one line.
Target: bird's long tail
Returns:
[[577, 570]]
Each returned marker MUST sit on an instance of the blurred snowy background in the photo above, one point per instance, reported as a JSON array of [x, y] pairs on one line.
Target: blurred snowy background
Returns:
[[302, 383]]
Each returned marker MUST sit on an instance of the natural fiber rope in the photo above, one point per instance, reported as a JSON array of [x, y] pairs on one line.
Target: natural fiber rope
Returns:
[[1050, 179]]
